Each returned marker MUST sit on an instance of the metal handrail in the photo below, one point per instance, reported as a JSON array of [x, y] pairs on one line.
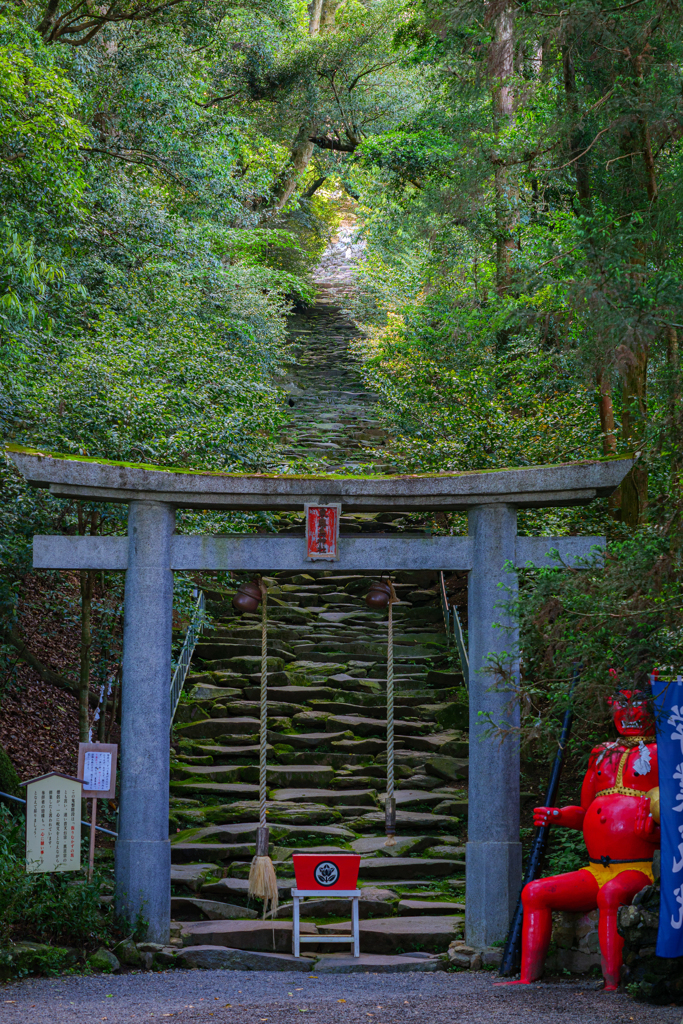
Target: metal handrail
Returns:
[[180, 674], [448, 611], [88, 824]]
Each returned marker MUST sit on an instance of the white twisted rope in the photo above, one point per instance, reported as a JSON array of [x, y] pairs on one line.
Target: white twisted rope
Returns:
[[263, 738], [389, 806], [390, 705]]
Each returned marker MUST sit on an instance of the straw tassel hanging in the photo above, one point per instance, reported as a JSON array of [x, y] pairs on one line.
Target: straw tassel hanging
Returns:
[[262, 879]]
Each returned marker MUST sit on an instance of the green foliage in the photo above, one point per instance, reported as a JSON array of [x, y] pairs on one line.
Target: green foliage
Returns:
[[45, 908], [40, 133], [9, 780], [623, 611], [566, 852]]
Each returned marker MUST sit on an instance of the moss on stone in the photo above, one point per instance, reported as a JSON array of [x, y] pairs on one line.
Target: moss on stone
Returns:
[[20, 450]]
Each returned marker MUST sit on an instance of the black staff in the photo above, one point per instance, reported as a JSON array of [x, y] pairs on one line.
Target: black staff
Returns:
[[512, 954]]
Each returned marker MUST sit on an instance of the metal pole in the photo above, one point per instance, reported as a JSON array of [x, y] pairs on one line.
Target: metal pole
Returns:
[[93, 819]]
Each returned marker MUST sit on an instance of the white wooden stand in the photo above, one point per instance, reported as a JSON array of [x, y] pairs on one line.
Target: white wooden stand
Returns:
[[347, 894]]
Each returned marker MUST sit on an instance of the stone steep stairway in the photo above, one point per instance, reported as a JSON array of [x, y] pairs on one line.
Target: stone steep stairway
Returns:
[[333, 425], [327, 765], [327, 710]]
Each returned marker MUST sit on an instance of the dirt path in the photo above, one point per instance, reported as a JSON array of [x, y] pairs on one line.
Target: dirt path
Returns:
[[259, 998]]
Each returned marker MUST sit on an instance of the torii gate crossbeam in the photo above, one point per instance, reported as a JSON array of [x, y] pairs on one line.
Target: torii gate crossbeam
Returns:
[[152, 550]]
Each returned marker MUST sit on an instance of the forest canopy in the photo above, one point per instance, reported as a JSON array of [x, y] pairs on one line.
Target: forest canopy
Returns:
[[170, 172]]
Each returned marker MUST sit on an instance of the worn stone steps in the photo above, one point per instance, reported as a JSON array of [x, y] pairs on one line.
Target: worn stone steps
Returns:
[[327, 715]]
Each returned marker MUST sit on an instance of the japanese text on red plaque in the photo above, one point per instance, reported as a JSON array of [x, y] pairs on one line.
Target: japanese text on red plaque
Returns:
[[322, 532]]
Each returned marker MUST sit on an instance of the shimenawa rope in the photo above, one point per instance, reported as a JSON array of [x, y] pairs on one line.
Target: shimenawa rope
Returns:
[[390, 805], [262, 879]]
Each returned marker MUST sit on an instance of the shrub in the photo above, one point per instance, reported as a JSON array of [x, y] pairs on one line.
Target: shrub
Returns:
[[62, 909]]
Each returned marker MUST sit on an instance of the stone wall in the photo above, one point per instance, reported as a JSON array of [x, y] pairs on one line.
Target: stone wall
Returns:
[[574, 943], [648, 977]]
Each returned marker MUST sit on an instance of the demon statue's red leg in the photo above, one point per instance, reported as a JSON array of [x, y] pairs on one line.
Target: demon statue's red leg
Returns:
[[576, 891], [616, 893]]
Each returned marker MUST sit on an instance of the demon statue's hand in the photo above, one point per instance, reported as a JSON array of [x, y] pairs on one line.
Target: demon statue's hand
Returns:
[[644, 824], [548, 816]]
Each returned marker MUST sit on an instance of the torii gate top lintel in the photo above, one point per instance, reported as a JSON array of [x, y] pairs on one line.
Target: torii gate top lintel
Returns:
[[574, 483]]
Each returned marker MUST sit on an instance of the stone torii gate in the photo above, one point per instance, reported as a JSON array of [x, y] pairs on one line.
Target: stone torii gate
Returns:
[[152, 550]]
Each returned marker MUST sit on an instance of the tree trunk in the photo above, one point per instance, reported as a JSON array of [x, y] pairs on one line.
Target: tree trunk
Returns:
[[634, 400], [87, 581], [315, 10], [302, 151], [609, 437], [576, 139], [674, 366], [608, 430], [501, 69], [321, 21]]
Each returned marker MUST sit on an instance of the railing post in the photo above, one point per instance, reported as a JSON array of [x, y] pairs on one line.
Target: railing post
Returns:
[[143, 851]]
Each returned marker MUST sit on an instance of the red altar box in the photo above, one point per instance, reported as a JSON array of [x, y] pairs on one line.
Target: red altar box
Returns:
[[326, 871]]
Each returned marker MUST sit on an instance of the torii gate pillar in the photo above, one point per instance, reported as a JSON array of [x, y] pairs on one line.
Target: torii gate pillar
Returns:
[[494, 852], [143, 847], [152, 550]]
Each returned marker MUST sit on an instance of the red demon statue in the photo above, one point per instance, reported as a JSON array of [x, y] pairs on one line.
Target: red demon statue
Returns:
[[618, 816]]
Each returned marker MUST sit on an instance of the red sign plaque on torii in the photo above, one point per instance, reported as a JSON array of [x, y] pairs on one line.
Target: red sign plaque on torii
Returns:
[[322, 532]]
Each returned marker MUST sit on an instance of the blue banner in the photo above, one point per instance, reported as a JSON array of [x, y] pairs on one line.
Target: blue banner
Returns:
[[669, 713]]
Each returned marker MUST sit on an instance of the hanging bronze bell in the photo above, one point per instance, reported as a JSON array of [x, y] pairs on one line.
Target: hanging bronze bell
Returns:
[[247, 597], [379, 595]]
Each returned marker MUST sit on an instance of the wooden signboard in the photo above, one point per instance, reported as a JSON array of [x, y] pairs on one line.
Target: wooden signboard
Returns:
[[53, 823], [322, 532], [97, 768]]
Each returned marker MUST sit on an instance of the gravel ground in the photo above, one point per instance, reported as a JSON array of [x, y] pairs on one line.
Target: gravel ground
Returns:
[[240, 997]]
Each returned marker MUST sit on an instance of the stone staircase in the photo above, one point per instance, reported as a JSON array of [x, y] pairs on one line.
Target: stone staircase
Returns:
[[327, 766], [333, 423], [327, 713]]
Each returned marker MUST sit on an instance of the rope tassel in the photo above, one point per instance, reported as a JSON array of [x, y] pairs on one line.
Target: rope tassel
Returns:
[[262, 878]]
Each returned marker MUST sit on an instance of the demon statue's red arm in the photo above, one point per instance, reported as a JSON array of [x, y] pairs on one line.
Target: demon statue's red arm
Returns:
[[572, 816]]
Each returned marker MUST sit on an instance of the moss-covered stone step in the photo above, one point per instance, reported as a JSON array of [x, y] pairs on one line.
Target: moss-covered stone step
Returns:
[[210, 728], [192, 908], [251, 708], [215, 650], [431, 934], [374, 869], [409, 820], [307, 740], [448, 742], [215, 773], [368, 745], [295, 694], [265, 936], [280, 811], [404, 846], [246, 832], [215, 853], [246, 664], [361, 726], [191, 876], [219, 753], [414, 798], [227, 888], [333, 797]]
